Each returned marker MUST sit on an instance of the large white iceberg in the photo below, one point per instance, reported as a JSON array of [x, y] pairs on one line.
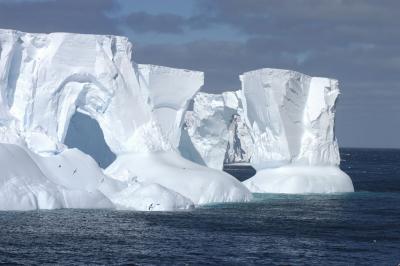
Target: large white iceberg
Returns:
[[291, 117], [282, 122], [46, 78]]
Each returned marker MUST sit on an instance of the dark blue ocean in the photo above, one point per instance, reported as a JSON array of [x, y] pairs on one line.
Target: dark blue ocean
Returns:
[[361, 228]]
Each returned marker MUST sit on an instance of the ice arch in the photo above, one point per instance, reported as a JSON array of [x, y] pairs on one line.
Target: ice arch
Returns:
[[46, 78], [139, 109], [85, 134]]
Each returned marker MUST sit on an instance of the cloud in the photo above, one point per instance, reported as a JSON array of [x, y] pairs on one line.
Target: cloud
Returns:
[[351, 40], [222, 61], [89, 16], [143, 22]]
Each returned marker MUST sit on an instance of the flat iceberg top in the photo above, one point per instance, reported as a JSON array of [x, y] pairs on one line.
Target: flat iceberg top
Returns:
[[171, 70], [84, 35], [279, 72]]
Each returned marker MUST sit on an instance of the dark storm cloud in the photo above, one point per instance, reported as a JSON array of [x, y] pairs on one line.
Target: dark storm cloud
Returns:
[[88, 16], [324, 37], [222, 61], [259, 16], [164, 23]]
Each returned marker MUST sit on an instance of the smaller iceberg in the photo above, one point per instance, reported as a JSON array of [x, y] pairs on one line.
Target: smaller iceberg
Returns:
[[291, 119], [281, 122]]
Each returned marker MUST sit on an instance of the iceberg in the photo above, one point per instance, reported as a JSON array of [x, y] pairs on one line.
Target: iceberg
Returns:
[[281, 122], [291, 120], [166, 157], [46, 78]]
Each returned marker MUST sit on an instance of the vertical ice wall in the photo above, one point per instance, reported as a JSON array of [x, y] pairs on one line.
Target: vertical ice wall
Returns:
[[170, 91], [291, 116]]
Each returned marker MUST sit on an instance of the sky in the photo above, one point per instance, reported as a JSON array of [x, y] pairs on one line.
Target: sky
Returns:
[[354, 41]]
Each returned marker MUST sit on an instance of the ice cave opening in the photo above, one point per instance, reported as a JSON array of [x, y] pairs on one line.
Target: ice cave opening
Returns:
[[236, 160], [85, 134]]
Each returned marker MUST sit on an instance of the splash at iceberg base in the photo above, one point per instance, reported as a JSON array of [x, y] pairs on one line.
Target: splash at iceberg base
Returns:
[[299, 180]]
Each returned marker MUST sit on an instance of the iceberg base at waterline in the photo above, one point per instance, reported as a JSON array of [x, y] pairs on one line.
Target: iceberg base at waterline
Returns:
[[198, 183], [71, 179], [26, 183], [295, 179], [150, 197]]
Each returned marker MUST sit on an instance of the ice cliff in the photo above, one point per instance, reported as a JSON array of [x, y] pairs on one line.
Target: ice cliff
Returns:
[[291, 116], [291, 119], [46, 78]]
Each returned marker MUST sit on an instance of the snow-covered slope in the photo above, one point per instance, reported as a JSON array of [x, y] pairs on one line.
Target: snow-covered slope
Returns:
[[291, 116], [28, 181], [46, 78], [72, 179], [198, 183], [214, 132]]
